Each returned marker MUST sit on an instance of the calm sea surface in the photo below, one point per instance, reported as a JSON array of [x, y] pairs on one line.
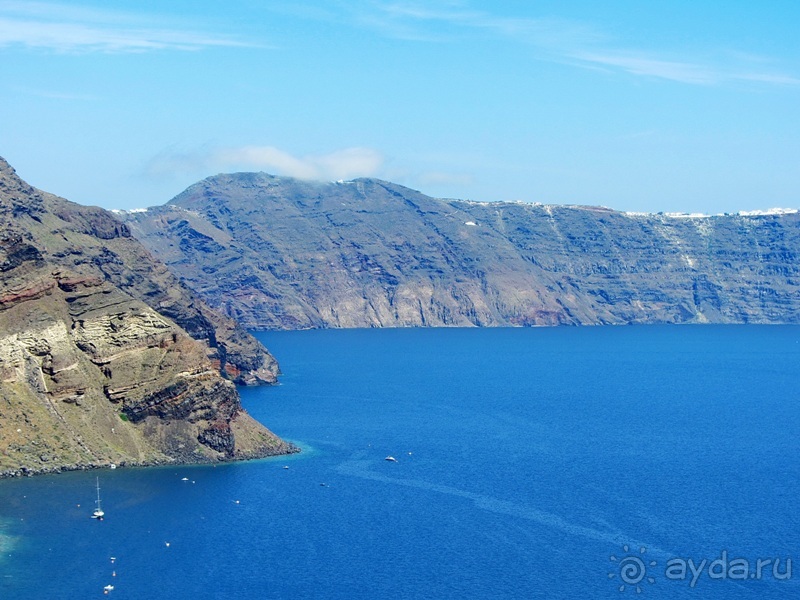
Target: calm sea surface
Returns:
[[530, 463]]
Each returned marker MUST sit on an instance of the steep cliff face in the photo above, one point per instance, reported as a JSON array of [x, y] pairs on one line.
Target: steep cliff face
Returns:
[[90, 373], [282, 253]]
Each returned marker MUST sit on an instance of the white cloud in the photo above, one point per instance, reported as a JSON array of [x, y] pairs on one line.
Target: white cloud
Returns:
[[265, 158], [639, 64], [65, 28], [346, 163], [349, 163], [560, 40], [450, 20]]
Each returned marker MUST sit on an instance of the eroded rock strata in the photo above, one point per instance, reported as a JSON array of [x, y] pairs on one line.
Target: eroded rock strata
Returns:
[[276, 252], [104, 356]]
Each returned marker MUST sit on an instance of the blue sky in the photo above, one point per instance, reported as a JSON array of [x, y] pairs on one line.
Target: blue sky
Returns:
[[638, 105]]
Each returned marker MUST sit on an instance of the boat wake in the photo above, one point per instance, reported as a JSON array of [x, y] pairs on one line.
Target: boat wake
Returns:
[[361, 469]]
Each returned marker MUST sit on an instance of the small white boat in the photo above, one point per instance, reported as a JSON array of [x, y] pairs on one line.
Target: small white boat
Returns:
[[98, 511], [108, 588], [390, 459]]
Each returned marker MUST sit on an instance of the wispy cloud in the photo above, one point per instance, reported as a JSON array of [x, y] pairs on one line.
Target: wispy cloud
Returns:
[[637, 63], [646, 64], [560, 40], [445, 21], [346, 163], [71, 28]]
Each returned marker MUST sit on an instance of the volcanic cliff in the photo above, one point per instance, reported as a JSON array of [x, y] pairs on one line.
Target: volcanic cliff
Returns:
[[105, 357], [277, 252]]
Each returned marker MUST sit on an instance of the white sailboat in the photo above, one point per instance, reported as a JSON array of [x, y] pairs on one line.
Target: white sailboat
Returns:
[[98, 511]]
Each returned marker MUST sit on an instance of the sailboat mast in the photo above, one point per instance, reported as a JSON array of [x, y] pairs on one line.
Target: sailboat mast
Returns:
[[98, 512]]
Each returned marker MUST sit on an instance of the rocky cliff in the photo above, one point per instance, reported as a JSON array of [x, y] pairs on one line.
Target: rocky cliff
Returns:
[[277, 252], [104, 356]]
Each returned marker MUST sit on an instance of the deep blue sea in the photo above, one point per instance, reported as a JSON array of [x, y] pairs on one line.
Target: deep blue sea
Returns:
[[530, 463]]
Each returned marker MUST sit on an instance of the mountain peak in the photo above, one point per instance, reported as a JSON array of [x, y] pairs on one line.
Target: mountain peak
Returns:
[[5, 167], [7, 173]]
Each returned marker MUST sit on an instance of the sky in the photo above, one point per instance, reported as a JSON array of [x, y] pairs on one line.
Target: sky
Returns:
[[656, 105]]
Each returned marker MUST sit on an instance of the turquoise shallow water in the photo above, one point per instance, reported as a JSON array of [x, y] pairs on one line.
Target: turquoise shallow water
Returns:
[[526, 459]]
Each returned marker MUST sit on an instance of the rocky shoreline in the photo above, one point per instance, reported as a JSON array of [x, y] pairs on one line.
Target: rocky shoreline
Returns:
[[282, 449]]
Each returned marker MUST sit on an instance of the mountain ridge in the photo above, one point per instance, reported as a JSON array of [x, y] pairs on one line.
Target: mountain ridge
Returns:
[[277, 252]]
